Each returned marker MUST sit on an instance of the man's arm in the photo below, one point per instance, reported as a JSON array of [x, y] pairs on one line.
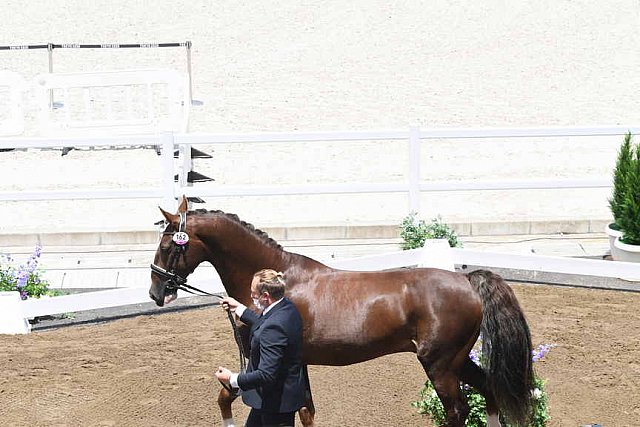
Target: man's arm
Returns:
[[239, 309], [273, 343], [247, 316]]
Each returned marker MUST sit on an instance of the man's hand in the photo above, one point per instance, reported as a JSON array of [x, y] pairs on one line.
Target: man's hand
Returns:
[[229, 303], [223, 375]]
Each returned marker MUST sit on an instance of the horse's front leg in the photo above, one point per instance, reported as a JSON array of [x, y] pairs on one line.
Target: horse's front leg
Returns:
[[308, 412], [225, 399]]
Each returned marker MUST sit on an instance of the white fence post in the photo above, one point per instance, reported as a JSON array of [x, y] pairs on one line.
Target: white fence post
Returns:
[[168, 186], [185, 164], [414, 169]]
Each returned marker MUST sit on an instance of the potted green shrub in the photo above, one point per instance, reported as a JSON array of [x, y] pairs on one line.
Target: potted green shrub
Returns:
[[414, 232], [624, 163], [628, 245]]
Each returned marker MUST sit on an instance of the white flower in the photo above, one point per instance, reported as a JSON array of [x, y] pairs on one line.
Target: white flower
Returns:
[[537, 394]]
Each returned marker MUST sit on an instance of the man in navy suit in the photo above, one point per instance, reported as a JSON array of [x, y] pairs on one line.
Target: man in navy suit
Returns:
[[273, 385]]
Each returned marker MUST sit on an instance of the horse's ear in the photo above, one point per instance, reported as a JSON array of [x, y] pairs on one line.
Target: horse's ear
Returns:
[[184, 205], [170, 218]]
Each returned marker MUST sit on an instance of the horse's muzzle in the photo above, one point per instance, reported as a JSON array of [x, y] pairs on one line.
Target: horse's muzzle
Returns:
[[158, 293]]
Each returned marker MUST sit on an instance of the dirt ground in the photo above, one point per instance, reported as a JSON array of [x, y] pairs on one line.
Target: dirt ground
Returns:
[[157, 370]]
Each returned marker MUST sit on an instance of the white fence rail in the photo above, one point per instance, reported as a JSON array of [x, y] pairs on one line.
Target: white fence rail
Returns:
[[412, 186], [126, 106], [549, 264]]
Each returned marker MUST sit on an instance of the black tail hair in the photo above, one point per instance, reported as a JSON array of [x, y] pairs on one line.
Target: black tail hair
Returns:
[[506, 347]]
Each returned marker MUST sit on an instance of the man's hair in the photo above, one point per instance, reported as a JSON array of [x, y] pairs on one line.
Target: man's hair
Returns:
[[271, 281]]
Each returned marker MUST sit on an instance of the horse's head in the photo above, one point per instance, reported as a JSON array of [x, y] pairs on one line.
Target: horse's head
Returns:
[[178, 254]]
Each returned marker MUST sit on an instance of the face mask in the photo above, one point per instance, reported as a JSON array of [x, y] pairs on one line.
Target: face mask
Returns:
[[256, 302]]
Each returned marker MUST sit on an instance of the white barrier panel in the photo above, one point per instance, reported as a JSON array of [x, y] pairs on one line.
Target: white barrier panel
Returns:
[[12, 87], [12, 318], [550, 264], [436, 253], [34, 307], [113, 102], [204, 278]]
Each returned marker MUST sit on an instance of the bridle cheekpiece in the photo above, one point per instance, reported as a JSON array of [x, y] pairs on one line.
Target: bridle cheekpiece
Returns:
[[173, 281]]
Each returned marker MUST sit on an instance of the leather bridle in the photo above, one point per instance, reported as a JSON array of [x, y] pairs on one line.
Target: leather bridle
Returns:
[[174, 282]]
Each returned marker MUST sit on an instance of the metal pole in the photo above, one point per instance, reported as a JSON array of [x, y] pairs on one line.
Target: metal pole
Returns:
[[188, 47], [50, 51]]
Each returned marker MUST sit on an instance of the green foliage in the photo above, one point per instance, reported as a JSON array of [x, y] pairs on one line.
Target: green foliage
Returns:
[[415, 232], [623, 166], [540, 405], [25, 278], [429, 403], [629, 220]]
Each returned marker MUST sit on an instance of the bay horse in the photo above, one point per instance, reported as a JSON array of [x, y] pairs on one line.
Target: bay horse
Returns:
[[351, 316]]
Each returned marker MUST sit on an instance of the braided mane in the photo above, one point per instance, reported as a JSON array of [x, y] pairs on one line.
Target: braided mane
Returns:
[[253, 230]]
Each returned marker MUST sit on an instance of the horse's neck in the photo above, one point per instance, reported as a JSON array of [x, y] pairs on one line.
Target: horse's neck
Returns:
[[238, 252], [238, 257]]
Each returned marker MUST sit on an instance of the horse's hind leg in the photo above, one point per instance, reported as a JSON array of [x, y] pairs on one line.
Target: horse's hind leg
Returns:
[[225, 399], [308, 412], [446, 382], [473, 375]]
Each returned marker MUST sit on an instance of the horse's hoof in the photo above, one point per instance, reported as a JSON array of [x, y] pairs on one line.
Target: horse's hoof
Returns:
[[306, 417]]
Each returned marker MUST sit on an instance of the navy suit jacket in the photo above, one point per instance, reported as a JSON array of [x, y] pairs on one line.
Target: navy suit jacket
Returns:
[[274, 381]]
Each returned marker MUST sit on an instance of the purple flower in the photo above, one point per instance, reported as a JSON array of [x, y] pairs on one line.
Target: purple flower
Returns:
[[32, 262], [23, 277], [475, 356], [541, 351], [537, 354], [24, 295]]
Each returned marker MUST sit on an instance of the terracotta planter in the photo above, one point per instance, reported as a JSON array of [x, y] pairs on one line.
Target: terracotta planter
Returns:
[[627, 253], [613, 235]]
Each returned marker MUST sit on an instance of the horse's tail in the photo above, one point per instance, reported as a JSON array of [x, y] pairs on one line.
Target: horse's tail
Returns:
[[506, 346]]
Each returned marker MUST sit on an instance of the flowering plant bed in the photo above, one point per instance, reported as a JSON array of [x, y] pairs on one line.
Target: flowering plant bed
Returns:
[[24, 278], [429, 403]]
